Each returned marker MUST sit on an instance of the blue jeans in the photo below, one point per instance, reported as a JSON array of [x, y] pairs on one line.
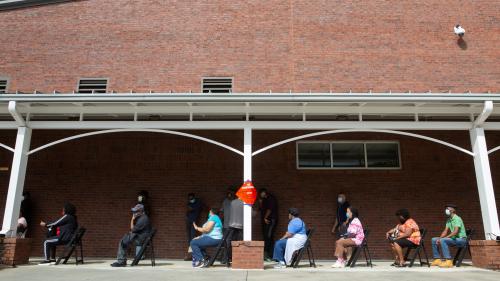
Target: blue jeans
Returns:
[[445, 246], [279, 250], [199, 245]]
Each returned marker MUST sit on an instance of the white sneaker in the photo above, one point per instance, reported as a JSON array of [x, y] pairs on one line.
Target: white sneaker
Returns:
[[280, 265], [338, 264]]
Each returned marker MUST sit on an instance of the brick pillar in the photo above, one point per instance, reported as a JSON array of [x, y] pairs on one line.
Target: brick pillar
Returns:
[[248, 254], [485, 253], [16, 251]]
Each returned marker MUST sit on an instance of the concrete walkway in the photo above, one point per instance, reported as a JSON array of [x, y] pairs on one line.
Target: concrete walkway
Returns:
[[181, 271]]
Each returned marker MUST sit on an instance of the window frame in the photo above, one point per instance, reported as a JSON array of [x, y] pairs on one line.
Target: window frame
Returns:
[[364, 142], [7, 83], [217, 77], [91, 78]]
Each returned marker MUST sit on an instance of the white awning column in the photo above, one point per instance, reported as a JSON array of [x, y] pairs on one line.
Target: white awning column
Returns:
[[247, 175], [16, 183], [484, 182]]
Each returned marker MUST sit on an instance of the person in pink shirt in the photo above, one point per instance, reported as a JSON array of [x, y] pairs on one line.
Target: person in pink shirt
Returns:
[[353, 237]]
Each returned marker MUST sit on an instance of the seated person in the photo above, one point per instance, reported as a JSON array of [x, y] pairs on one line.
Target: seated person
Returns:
[[353, 237], [294, 239], [140, 229], [452, 235], [22, 225], [61, 231], [405, 234], [211, 236]]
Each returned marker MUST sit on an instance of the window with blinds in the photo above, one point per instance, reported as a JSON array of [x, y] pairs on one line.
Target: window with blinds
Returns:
[[217, 85], [92, 85]]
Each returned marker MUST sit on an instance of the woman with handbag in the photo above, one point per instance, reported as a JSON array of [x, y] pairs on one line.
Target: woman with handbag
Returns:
[[353, 237]]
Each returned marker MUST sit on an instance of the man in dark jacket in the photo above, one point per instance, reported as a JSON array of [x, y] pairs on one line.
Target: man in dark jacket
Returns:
[[64, 227], [140, 229]]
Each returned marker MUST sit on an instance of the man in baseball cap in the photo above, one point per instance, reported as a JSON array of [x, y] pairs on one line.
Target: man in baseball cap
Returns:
[[140, 228], [452, 235]]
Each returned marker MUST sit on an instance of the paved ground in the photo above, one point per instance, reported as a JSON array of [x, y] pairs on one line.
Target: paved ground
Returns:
[[181, 271]]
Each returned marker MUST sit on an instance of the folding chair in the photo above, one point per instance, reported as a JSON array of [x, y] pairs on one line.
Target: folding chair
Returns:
[[297, 255], [417, 249], [72, 246], [357, 251], [146, 245], [222, 248], [461, 251]]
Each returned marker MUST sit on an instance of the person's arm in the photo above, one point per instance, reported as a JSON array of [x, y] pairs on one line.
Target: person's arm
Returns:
[[335, 224], [140, 224], [266, 216], [453, 233], [405, 234], [443, 234], [61, 221], [206, 228], [132, 223], [391, 231], [287, 235]]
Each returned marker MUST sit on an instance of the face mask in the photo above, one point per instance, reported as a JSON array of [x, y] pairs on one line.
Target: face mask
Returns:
[[447, 212], [139, 198], [402, 220], [340, 200], [348, 215], [192, 200], [22, 198]]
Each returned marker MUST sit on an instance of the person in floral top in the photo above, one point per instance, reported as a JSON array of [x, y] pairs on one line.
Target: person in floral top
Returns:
[[405, 235], [353, 237]]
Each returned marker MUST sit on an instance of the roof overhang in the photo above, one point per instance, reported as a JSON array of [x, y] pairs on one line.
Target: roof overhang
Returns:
[[152, 109]]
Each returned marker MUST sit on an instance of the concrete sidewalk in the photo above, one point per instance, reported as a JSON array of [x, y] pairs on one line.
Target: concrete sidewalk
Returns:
[[181, 271]]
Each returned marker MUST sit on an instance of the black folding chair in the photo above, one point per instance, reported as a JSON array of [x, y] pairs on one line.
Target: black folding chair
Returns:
[[72, 246], [297, 255], [363, 247], [461, 251], [146, 245], [417, 249], [222, 248]]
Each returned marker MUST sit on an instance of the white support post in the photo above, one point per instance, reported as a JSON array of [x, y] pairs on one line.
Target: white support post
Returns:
[[16, 183], [247, 175], [484, 183]]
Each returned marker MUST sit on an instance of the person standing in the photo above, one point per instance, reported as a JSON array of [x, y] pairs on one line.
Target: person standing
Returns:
[[269, 220], [235, 224], [340, 225], [193, 210], [453, 235], [226, 208]]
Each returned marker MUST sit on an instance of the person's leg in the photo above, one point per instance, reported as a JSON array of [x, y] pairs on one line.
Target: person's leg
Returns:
[[398, 249], [121, 256], [267, 240], [347, 243], [195, 247], [393, 249], [279, 251], [435, 251], [445, 250], [48, 247], [272, 230]]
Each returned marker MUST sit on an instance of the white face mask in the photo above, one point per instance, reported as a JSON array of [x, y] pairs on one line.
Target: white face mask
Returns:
[[192, 200], [340, 200], [140, 198], [447, 212]]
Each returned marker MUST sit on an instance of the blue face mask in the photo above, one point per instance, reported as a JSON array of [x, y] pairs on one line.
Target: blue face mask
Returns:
[[348, 215]]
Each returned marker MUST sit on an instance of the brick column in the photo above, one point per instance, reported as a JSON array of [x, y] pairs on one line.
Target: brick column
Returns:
[[485, 254], [15, 251], [248, 254]]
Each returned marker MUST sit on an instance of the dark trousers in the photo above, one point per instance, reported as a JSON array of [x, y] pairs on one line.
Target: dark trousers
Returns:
[[190, 231], [268, 231], [124, 244], [49, 247], [237, 236]]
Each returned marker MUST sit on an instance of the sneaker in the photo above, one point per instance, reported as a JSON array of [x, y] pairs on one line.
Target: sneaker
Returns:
[[280, 265], [45, 262], [118, 264], [446, 264], [267, 259], [436, 262], [198, 264], [339, 264]]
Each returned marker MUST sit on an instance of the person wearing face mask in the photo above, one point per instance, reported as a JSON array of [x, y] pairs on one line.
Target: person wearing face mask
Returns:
[[140, 229], [294, 239], [405, 234], [194, 207], [211, 236], [226, 208], [353, 237], [340, 224], [452, 235]]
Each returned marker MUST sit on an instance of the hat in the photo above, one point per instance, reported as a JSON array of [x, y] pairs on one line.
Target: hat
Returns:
[[137, 208], [294, 212], [451, 205]]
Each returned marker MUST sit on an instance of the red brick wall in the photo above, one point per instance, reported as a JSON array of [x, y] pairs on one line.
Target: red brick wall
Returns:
[[101, 175], [266, 45]]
